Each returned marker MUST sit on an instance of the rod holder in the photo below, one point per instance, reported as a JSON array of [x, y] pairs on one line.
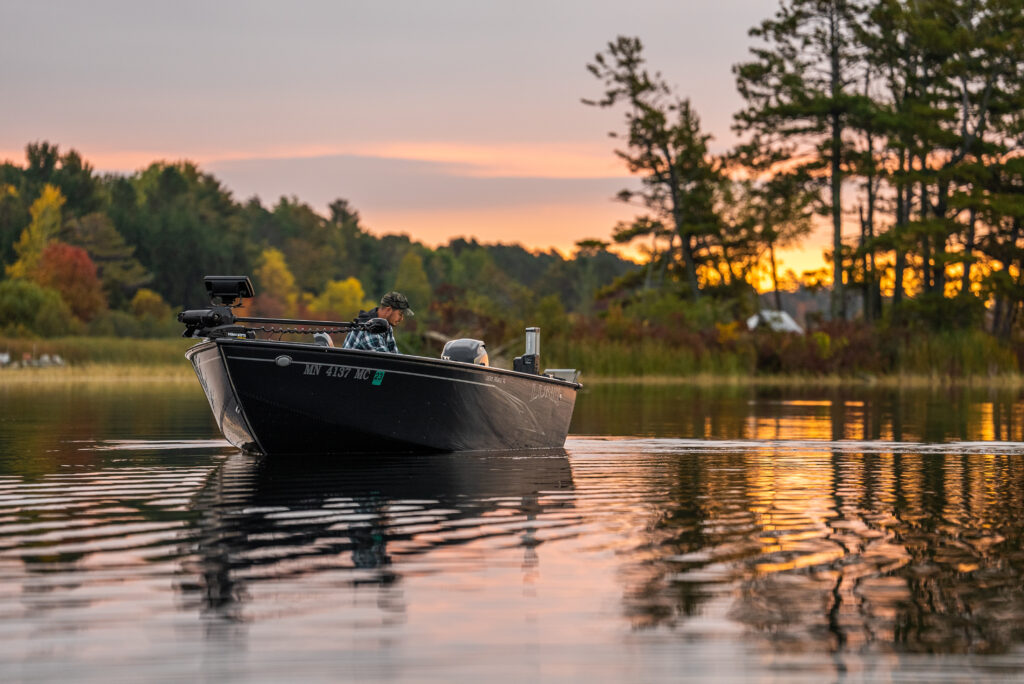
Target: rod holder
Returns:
[[533, 341], [530, 361]]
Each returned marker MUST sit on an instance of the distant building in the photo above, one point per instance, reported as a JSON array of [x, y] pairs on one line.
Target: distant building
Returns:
[[778, 321]]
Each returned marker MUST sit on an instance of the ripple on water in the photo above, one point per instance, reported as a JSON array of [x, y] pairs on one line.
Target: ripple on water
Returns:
[[737, 553], [829, 546]]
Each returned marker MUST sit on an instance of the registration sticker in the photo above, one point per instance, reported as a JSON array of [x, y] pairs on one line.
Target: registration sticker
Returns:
[[378, 377]]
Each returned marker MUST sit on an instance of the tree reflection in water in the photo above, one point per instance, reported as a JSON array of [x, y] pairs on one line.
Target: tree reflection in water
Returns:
[[839, 550], [738, 530], [860, 412]]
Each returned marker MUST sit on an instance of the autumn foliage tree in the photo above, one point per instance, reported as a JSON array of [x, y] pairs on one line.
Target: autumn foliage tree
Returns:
[[276, 291], [70, 271], [118, 269], [147, 303], [40, 232], [341, 299]]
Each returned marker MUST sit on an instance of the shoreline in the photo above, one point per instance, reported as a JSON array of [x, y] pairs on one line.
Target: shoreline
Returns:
[[101, 372], [898, 380], [98, 373]]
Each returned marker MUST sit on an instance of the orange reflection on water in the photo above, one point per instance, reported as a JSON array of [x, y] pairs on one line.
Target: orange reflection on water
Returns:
[[770, 414], [838, 550]]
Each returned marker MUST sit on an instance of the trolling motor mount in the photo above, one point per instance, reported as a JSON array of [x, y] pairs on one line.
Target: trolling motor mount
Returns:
[[229, 292], [209, 322]]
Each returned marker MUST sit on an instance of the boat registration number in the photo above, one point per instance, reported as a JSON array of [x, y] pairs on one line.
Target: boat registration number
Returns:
[[344, 372]]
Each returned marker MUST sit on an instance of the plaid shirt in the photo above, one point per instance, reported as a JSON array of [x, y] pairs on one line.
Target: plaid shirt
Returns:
[[360, 339]]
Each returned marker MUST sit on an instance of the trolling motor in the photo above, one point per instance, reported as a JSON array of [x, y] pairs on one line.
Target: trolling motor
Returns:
[[229, 292], [226, 293]]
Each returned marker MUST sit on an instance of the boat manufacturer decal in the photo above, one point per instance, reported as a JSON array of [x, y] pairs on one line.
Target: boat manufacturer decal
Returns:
[[545, 391]]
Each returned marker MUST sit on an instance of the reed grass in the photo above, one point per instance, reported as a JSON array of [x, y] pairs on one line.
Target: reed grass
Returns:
[[895, 381], [968, 358], [121, 373], [645, 357], [109, 350], [181, 373], [846, 354], [969, 352]]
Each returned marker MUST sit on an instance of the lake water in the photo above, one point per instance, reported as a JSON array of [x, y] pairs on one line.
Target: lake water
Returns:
[[729, 534]]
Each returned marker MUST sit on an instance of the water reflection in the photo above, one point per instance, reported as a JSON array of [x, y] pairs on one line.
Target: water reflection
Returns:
[[831, 550], [49, 428], [343, 522], [749, 532], [859, 412]]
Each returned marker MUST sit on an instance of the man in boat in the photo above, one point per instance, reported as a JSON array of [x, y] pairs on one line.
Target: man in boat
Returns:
[[394, 307]]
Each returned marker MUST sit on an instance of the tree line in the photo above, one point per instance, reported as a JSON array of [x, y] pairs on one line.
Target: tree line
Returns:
[[118, 254], [898, 123]]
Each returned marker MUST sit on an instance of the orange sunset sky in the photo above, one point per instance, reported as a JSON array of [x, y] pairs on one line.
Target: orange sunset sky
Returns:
[[435, 119]]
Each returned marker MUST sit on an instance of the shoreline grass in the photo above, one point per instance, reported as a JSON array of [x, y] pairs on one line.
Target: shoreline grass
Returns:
[[100, 373], [898, 380], [181, 372]]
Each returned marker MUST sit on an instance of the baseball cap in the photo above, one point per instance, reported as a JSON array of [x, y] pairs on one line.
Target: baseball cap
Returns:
[[397, 300]]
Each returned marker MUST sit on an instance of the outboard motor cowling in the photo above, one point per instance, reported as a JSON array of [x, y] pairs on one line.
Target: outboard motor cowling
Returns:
[[466, 351]]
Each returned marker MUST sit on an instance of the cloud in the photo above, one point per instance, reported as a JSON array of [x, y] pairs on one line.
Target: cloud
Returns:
[[404, 184], [434, 201]]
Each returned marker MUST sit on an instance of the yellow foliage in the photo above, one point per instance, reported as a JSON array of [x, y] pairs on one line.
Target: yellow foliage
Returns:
[[43, 229], [146, 302], [727, 332], [273, 275], [340, 298], [276, 291]]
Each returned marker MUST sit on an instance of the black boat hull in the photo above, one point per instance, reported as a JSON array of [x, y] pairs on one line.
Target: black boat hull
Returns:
[[292, 398]]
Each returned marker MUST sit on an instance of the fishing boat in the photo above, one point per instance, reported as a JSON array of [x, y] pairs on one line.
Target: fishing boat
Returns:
[[277, 397]]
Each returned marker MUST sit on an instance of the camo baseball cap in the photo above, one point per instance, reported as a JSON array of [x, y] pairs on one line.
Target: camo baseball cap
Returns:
[[397, 300]]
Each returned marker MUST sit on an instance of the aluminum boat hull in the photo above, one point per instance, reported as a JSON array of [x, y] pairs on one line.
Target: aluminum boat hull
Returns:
[[292, 398]]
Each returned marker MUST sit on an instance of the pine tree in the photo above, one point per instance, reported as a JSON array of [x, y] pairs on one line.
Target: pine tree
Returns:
[[798, 93], [119, 270], [664, 145]]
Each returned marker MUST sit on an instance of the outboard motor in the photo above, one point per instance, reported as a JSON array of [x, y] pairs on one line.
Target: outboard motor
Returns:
[[466, 351], [530, 361]]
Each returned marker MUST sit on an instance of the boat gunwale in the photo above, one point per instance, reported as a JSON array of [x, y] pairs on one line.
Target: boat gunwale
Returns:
[[222, 342], [222, 359]]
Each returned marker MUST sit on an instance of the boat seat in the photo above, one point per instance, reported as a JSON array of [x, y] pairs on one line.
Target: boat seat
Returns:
[[323, 339]]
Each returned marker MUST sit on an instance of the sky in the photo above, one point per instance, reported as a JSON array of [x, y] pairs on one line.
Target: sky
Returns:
[[437, 119]]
